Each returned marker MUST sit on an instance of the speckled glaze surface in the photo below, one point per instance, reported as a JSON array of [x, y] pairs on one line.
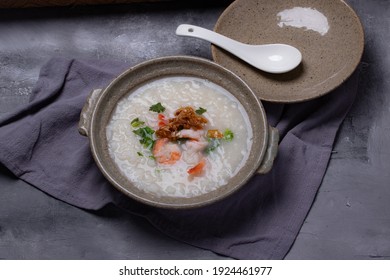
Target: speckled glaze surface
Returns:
[[328, 34], [98, 109]]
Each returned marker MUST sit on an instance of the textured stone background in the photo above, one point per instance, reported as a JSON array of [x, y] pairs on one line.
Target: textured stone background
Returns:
[[350, 218]]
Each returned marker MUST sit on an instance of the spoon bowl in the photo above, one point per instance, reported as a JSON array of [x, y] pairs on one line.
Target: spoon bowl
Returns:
[[272, 58]]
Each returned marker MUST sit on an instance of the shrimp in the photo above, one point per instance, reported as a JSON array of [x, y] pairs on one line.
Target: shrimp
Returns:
[[195, 146], [166, 152], [197, 169], [190, 134], [193, 150]]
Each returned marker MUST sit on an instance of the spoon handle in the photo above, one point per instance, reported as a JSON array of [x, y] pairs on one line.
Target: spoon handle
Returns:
[[217, 39], [273, 58]]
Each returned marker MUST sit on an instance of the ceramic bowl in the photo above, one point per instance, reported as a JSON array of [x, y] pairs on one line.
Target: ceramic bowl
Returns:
[[98, 109], [328, 34]]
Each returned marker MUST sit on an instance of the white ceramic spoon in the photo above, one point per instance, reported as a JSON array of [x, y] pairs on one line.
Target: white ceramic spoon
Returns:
[[272, 58]]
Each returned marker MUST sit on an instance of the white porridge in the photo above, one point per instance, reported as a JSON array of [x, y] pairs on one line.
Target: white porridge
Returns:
[[179, 136]]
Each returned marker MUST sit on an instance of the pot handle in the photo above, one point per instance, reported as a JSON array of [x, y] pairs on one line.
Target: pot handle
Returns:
[[86, 112], [271, 152]]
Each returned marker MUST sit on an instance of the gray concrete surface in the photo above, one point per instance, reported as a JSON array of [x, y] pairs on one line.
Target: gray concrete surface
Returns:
[[350, 218]]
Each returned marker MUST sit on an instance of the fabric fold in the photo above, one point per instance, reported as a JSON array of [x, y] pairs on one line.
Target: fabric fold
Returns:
[[41, 145]]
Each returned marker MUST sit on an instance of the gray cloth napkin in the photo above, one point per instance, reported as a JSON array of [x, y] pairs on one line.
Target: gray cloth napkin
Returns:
[[40, 144]]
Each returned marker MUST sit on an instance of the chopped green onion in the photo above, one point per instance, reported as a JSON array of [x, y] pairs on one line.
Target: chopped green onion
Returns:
[[200, 111], [144, 131], [140, 154], [158, 108], [146, 134], [228, 135], [213, 144], [136, 123]]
